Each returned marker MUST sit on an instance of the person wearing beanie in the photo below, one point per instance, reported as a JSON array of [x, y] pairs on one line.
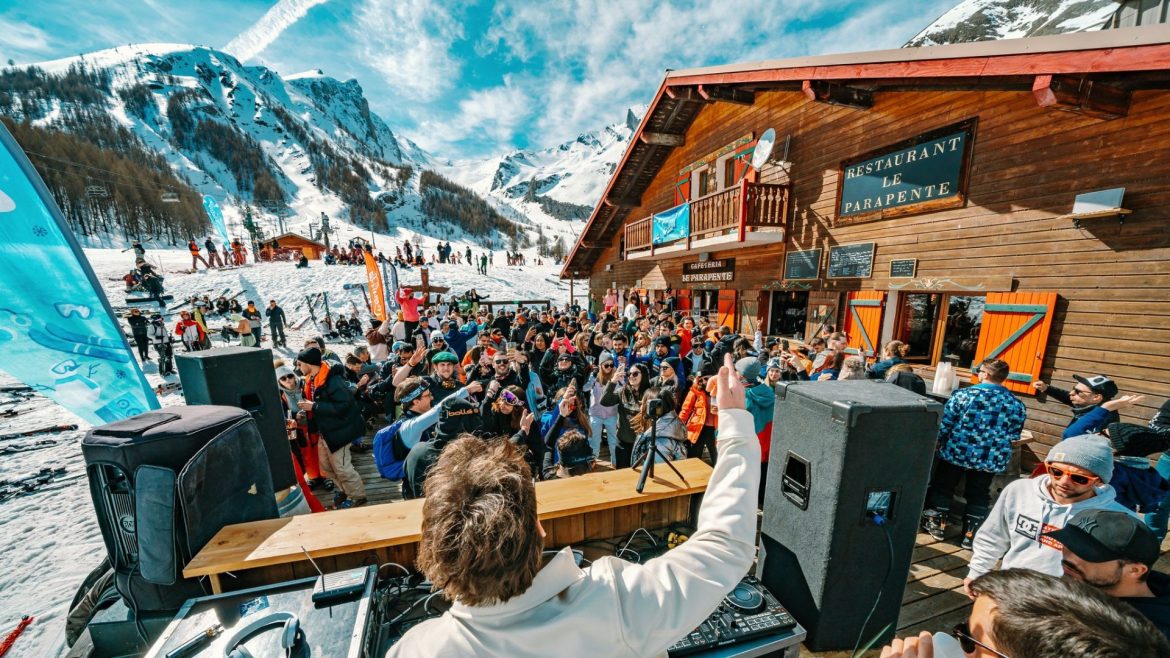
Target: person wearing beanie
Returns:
[[671, 375], [393, 443], [761, 401], [330, 411], [456, 417], [1077, 479]]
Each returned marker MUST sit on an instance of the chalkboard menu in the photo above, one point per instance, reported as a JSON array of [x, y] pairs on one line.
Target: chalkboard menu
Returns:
[[802, 265], [903, 268], [851, 261]]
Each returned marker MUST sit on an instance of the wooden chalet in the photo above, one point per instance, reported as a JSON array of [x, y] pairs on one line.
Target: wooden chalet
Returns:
[[1004, 198], [312, 249]]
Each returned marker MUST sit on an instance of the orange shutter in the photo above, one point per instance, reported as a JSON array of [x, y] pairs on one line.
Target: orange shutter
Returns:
[[1015, 329], [863, 321], [726, 309], [682, 300]]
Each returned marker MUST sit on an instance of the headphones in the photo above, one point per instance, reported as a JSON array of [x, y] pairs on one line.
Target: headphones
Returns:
[[290, 633]]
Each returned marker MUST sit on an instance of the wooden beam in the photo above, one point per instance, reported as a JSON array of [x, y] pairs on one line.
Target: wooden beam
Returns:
[[688, 94], [625, 202], [727, 94], [834, 93], [663, 139], [1080, 95]]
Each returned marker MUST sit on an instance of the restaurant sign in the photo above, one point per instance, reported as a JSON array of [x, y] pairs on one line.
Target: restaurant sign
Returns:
[[709, 270], [922, 174]]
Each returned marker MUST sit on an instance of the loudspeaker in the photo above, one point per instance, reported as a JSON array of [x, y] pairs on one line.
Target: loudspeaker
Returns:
[[840, 451], [163, 483], [242, 377]]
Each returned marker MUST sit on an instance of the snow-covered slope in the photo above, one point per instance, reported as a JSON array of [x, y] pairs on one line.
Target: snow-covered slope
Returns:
[[989, 20]]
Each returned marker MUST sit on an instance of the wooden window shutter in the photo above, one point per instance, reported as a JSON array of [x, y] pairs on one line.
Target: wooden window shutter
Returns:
[[726, 309], [682, 300], [1015, 329], [863, 321], [682, 189]]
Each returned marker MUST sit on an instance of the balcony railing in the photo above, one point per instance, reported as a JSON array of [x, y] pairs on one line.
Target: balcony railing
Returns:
[[735, 210]]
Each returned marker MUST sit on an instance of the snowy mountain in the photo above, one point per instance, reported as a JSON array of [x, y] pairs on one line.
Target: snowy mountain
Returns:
[[558, 184], [989, 20]]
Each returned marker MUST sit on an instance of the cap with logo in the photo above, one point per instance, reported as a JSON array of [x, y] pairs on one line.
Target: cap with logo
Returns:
[[1099, 384], [1097, 535]]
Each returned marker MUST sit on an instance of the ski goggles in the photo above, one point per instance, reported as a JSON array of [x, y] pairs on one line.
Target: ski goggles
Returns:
[[510, 398]]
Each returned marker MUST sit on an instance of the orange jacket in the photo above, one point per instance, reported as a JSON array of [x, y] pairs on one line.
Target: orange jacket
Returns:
[[694, 412]]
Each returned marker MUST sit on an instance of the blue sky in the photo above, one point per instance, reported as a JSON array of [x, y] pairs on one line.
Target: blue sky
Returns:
[[480, 77]]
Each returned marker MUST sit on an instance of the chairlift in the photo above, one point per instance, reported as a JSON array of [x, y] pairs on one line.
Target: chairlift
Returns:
[[170, 197], [96, 192]]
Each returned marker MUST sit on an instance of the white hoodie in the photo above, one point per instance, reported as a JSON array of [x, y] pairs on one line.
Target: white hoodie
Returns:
[[1025, 511]]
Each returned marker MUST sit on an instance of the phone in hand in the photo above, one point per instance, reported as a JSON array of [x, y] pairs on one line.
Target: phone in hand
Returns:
[[784, 344]]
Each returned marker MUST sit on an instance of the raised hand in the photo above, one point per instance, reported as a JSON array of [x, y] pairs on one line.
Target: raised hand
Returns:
[[729, 394], [475, 387]]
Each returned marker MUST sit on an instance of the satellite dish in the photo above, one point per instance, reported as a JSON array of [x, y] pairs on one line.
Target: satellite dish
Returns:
[[763, 149]]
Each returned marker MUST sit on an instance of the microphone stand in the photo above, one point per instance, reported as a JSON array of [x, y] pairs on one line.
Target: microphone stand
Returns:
[[647, 461]]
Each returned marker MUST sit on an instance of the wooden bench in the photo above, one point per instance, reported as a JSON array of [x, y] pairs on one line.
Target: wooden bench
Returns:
[[598, 505]]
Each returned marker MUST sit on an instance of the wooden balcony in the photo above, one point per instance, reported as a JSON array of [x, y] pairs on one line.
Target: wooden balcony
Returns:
[[745, 215]]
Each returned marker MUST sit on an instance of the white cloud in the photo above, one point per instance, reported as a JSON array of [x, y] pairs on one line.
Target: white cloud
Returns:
[[486, 117], [408, 43], [272, 24], [16, 36]]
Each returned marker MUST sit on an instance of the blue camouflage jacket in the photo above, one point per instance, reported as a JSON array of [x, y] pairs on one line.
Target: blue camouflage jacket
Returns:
[[978, 426]]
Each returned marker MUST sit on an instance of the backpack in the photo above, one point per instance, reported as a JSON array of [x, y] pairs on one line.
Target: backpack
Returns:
[[389, 452], [373, 337]]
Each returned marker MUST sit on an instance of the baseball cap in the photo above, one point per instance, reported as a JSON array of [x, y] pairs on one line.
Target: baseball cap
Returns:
[[1099, 384], [1098, 535]]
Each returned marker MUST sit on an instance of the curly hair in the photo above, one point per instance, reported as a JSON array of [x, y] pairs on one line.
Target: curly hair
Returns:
[[479, 539]]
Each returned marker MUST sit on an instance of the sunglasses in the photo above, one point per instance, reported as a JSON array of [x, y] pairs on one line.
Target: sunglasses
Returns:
[[500, 362], [962, 633], [289, 377], [607, 365], [1077, 478]]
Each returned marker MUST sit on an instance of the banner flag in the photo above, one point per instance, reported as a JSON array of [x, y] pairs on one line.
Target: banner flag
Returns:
[[216, 216], [391, 286], [374, 278], [674, 224], [57, 329]]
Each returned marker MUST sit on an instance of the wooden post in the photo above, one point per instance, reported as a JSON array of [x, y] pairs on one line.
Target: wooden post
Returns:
[[426, 284], [571, 290], [743, 210]]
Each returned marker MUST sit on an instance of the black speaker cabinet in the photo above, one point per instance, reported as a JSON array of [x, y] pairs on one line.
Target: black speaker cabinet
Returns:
[[842, 451], [163, 483], [242, 377]]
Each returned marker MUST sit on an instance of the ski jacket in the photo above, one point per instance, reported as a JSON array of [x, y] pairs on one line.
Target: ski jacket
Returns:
[[335, 415], [978, 426], [409, 304], [189, 331]]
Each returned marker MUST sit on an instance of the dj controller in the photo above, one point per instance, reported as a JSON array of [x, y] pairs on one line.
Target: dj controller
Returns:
[[748, 612]]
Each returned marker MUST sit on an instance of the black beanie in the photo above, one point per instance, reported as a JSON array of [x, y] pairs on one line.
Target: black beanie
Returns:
[[457, 416], [311, 356]]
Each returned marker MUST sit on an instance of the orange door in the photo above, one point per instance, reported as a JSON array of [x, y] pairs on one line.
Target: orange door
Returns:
[[726, 309], [1015, 328], [863, 321], [682, 300]]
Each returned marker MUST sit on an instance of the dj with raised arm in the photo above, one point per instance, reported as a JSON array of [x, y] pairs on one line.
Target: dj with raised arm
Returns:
[[482, 544]]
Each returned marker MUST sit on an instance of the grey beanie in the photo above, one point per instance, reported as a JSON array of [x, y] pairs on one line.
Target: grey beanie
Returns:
[[1091, 452], [749, 368]]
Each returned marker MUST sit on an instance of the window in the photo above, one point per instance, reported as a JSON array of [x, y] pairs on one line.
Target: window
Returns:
[[727, 172], [703, 182], [787, 313], [940, 326]]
